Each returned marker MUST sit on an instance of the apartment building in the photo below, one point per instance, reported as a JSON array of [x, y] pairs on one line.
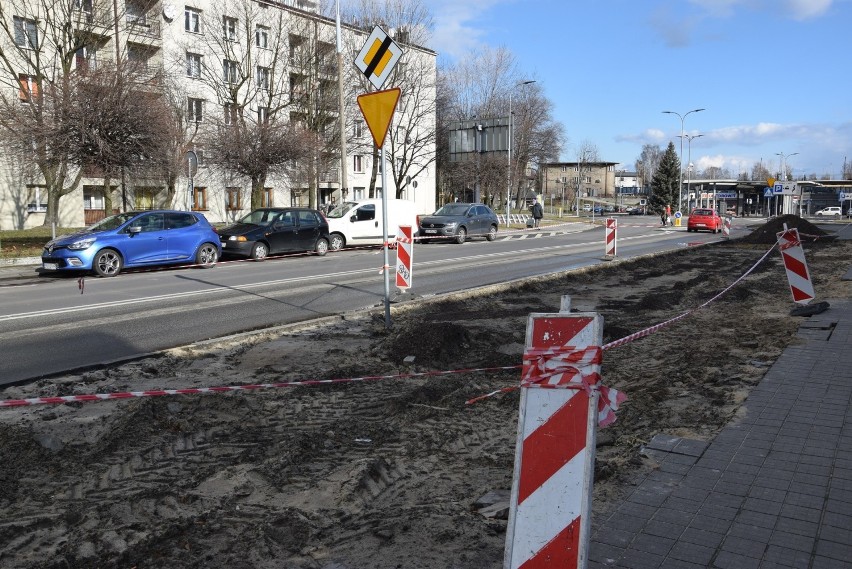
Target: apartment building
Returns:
[[208, 54], [566, 181]]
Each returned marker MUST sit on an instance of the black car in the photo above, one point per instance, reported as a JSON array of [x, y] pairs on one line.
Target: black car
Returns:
[[636, 211], [272, 230], [458, 221]]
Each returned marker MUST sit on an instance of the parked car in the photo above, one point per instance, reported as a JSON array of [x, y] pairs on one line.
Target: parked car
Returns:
[[636, 211], [135, 239], [458, 221], [587, 207], [598, 210], [707, 219], [273, 230], [833, 211], [359, 222]]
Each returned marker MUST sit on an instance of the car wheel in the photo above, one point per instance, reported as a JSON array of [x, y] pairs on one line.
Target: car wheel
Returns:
[[461, 235], [260, 251], [206, 256], [107, 263], [321, 247], [337, 242], [492, 233]]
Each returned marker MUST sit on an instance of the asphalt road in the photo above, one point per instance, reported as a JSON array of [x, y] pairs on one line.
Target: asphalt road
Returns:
[[50, 325]]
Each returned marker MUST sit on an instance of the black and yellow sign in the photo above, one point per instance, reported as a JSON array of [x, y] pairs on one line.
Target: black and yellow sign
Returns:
[[378, 57]]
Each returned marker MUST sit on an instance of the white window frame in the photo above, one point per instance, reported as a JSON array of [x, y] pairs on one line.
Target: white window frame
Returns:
[[358, 128], [37, 205], [262, 115], [229, 71], [26, 32], [358, 163], [263, 75], [194, 62], [261, 37], [195, 110], [192, 20], [230, 110], [229, 28]]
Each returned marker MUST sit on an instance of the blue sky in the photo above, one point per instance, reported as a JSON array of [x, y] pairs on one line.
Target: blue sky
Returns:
[[773, 75]]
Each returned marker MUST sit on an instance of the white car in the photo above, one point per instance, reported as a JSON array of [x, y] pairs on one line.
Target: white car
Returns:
[[828, 212]]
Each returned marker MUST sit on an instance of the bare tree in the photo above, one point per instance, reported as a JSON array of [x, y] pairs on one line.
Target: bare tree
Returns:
[[411, 141], [647, 163], [481, 86], [40, 42], [759, 171], [253, 127]]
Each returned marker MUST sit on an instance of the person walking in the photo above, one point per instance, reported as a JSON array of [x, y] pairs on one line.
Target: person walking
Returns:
[[537, 213], [668, 220]]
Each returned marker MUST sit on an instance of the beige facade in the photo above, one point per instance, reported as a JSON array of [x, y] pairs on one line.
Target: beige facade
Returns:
[[188, 46], [568, 181]]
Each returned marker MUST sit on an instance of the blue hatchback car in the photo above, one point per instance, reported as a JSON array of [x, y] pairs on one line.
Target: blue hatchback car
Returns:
[[135, 239]]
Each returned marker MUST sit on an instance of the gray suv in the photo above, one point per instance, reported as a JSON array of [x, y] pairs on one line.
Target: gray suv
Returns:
[[457, 222]]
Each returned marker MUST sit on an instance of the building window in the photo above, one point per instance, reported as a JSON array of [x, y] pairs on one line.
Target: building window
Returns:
[[192, 20], [234, 199], [358, 193], [37, 199], [358, 163], [195, 110], [263, 78], [26, 33], [86, 58], [266, 198], [28, 90], [230, 114], [199, 199], [261, 37], [144, 198], [229, 71], [193, 65], [262, 115], [229, 28], [358, 128]]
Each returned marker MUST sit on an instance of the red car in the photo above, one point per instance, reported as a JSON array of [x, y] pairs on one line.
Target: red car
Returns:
[[704, 219]]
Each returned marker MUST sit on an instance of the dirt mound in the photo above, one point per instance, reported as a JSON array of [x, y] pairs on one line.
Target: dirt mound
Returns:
[[767, 233]]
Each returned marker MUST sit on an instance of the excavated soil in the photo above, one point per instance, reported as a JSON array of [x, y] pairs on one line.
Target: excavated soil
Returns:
[[384, 471]]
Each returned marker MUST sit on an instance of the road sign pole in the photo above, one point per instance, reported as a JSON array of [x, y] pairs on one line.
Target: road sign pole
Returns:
[[385, 238]]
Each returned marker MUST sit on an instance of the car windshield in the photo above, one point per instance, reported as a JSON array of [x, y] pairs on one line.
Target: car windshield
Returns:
[[113, 222], [703, 212], [453, 209], [341, 210], [260, 217]]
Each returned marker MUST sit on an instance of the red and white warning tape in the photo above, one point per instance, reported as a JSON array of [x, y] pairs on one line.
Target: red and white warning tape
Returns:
[[554, 365]]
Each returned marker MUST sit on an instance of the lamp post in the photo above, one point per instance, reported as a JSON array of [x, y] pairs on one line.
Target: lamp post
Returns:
[[680, 158], [783, 169], [509, 173], [784, 173], [689, 161]]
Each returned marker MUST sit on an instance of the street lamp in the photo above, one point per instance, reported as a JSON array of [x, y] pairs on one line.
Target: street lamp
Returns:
[[783, 169], [784, 174], [689, 161], [509, 173], [680, 158]]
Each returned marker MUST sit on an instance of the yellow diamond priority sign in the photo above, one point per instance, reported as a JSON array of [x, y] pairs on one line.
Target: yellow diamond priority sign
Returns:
[[378, 57], [378, 108]]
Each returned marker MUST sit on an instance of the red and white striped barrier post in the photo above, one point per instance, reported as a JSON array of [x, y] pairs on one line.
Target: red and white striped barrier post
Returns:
[[726, 226], [611, 235], [797, 268], [550, 508], [404, 256]]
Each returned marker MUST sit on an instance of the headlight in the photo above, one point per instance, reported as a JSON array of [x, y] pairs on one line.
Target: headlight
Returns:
[[81, 244], [237, 238], [451, 224]]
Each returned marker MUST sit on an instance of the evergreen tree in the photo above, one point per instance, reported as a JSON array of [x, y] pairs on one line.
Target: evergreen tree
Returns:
[[665, 185]]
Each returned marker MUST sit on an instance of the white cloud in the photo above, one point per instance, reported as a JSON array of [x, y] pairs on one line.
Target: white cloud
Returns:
[[456, 31]]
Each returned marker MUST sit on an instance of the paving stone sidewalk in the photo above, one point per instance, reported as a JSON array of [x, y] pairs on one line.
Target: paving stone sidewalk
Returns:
[[772, 490]]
